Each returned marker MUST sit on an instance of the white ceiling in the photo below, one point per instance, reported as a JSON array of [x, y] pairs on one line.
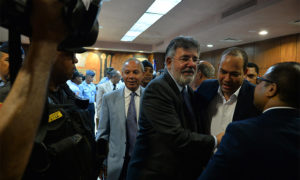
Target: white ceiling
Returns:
[[201, 19]]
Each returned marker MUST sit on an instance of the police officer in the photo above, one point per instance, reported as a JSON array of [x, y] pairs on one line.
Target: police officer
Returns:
[[65, 147], [88, 91], [74, 83]]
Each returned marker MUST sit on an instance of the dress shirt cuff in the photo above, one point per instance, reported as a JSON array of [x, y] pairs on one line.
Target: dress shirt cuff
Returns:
[[216, 142]]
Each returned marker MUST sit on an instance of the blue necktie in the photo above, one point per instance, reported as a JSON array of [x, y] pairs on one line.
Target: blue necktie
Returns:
[[114, 87], [131, 124]]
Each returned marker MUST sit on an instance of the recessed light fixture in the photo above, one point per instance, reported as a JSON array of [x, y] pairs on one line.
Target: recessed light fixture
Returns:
[[263, 32], [140, 51], [158, 9], [209, 45], [96, 49], [231, 40]]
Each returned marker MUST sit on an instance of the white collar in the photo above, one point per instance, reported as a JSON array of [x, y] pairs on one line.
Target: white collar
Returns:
[[128, 91], [278, 107], [234, 95]]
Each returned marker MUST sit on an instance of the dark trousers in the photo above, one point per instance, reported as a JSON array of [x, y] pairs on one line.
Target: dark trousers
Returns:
[[124, 168], [91, 109]]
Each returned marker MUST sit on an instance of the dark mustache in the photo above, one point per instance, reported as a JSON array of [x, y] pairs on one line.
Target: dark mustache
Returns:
[[189, 70]]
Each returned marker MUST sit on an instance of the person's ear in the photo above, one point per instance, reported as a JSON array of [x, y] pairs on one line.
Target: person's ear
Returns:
[[246, 71], [271, 90], [168, 61]]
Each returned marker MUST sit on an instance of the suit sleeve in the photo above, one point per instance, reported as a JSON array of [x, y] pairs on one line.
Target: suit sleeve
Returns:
[[104, 124], [99, 97], [225, 163], [160, 106]]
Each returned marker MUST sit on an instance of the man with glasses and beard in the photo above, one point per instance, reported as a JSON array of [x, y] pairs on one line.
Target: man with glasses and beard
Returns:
[[172, 143]]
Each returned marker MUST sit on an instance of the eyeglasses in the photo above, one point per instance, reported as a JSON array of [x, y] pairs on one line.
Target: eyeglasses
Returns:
[[185, 59], [260, 79]]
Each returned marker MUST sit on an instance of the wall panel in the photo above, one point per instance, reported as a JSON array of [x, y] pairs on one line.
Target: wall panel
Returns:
[[265, 53]]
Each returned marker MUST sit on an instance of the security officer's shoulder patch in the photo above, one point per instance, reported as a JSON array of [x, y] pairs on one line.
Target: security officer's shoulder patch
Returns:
[[54, 116]]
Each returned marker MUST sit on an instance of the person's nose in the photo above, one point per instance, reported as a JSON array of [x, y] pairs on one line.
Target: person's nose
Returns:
[[75, 60], [191, 64], [227, 77]]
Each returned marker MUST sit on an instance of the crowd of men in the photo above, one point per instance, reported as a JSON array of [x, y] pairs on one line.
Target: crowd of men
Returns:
[[182, 124]]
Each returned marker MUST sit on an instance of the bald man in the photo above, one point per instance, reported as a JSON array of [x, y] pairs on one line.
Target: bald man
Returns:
[[205, 71]]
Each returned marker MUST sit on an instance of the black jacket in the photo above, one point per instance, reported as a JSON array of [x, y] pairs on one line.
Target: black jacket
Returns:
[[169, 145]]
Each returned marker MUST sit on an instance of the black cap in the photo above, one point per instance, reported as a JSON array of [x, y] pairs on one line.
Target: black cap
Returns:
[[73, 50], [147, 63], [4, 47]]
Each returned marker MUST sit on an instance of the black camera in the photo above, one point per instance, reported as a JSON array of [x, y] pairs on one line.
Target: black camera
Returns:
[[80, 16]]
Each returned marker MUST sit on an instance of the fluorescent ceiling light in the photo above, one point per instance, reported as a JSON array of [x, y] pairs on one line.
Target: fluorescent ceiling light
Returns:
[[153, 14], [162, 6], [209, 45], [263, 32]]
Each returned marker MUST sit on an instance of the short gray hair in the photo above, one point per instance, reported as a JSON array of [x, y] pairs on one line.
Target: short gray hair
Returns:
[[185, 42], [206, 69], [136, 61], [114, 73]]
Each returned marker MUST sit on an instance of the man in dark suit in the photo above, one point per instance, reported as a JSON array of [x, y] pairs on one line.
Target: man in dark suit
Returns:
[[169, 143], [230, 98], [267, 146]]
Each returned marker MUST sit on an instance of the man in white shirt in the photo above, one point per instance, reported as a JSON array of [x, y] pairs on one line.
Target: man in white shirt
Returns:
[[74, 83], [111, 85], [118, 119], [230, 98], [266, 146]]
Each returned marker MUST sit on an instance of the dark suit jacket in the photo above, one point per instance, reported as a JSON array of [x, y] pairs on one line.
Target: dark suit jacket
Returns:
[[168, 145], [244, 107], [261, 148]]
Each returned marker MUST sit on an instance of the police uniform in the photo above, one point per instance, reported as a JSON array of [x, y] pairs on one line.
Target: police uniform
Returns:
[[65, 146], [75, 88], [4, 90], [89, 92]]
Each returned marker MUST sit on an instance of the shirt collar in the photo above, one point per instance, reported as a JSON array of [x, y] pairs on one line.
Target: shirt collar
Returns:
[[278, 107], [128, 91], [234, 95], [179, 87]]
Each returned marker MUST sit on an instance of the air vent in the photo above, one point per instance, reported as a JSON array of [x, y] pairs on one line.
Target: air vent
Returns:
[[297, 22], [239, 8], [231, 40]]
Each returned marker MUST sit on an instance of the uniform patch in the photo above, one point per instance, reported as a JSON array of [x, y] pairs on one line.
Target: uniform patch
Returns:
[[54, 116]]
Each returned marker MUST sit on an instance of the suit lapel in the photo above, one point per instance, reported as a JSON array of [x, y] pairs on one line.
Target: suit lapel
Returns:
[[120, 105], [241, 101], [185, 121]]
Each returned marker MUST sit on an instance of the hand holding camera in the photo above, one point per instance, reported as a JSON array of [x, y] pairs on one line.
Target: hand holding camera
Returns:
[[47, 21]]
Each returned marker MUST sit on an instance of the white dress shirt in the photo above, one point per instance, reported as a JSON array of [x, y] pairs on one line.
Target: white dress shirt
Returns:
[[136, 101], [221, 111]]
